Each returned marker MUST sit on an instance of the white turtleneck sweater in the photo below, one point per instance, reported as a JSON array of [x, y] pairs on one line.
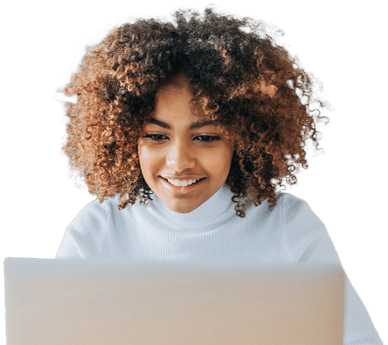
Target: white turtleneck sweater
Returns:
[[291, 233]]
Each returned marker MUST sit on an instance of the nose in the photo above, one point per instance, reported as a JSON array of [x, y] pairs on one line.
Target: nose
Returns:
[[180, 157]]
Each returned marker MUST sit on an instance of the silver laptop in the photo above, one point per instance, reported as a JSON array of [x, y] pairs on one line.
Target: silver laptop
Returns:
[[127, 302]]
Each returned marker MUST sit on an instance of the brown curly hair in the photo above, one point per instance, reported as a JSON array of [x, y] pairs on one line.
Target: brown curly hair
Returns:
[[239, 78]]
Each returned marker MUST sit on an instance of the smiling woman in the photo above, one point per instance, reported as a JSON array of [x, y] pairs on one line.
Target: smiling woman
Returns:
[[200, 70]]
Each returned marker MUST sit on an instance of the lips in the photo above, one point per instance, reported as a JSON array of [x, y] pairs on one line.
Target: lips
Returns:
[[183, 189], [196, 182]]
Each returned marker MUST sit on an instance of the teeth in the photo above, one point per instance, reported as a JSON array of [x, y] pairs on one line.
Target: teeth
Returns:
[[182, 183]]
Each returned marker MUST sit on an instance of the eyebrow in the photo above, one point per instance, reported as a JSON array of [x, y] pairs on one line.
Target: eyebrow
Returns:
[[166, 125]]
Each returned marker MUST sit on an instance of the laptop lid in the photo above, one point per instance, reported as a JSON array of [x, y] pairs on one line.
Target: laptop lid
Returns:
[[111, 301]]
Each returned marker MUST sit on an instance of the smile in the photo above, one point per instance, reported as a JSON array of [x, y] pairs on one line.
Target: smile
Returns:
[[182, 188]]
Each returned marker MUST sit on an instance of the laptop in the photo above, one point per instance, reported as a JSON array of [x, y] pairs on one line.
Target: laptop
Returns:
[[122, 302]]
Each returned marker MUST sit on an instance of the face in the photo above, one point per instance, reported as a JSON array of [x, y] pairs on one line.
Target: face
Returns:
[[179, 151]]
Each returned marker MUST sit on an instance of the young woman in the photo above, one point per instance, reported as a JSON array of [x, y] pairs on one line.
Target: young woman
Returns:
[[197, 123]]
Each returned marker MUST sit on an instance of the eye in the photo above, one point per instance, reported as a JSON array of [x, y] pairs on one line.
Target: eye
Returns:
[[206, 139]]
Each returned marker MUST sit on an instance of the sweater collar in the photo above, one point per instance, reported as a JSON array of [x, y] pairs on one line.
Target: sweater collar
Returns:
[[209, 211]]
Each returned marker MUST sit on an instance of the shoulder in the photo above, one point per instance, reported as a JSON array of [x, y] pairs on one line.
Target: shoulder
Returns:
[[84, 235], [294, 208], [93, 217], [297, 213]]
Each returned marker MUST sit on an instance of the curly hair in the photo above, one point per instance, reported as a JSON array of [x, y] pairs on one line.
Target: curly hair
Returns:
[[239, 78]]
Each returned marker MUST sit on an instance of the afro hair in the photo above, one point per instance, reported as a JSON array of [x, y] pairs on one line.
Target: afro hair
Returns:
[[240, 78]]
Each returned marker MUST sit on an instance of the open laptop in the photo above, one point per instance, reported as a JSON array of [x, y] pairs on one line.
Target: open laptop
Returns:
[[128, 302]]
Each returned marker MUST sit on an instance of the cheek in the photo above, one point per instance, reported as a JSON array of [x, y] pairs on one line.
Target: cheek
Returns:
[[148, 160], [217, 161]]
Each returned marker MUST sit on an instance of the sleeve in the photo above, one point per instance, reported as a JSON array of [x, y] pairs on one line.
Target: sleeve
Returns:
[[84, 237], [308, 241]]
